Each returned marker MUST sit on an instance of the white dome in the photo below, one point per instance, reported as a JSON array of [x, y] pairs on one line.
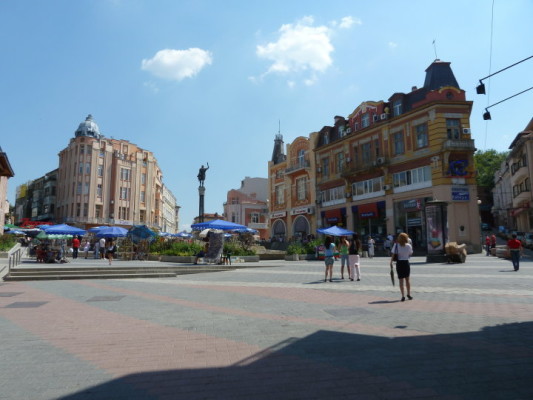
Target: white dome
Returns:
[[88, 128]]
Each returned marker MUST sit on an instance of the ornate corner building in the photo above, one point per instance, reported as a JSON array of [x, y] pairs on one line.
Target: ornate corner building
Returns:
[[377, 171]]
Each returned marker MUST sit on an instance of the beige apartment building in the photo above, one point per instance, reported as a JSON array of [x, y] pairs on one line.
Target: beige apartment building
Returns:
[[103, 181]]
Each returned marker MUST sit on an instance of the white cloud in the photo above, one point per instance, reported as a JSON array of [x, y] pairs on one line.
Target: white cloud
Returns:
[[347, 22], [300, 47], [177, 64]]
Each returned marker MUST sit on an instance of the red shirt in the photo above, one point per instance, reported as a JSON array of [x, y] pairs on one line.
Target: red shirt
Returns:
[[514, 244], [75, 243]]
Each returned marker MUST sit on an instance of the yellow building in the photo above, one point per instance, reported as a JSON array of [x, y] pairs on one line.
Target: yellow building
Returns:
[[107, 181], [381, 170]]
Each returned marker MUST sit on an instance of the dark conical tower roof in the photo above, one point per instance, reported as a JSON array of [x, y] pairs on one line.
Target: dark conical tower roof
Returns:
[[439, 74], [278, 154]]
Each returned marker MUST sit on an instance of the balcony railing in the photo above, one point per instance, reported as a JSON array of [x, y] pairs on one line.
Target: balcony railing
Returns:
[[298, 165], [459, 144], [355, 168]]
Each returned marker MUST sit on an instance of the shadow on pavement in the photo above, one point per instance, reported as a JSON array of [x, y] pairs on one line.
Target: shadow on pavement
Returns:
[[494, 363]]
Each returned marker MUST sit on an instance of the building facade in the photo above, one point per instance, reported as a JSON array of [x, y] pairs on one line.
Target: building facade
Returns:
[[381, 170], [6, 172], [291, 182], [248, 205], [36, 200], [169, 215], [520, 174]]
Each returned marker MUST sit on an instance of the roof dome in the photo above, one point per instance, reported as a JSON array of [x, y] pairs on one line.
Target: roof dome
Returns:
[[88, 128]]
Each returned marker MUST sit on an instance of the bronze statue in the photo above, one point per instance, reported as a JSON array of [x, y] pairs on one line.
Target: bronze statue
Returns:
[[201, 174]]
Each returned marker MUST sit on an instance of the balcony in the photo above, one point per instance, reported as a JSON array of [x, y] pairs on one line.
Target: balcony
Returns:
[[459, 145], [257, 225], [298, 166], [361, 167]]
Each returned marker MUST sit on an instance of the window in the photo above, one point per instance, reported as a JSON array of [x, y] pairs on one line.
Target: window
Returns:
[[125, 174], [82, 148], [78, 209], [86, 188], [98, 211], [339, 161], [421, 135], [124, 193], [100, 170], [376, 147], [143, 196], [88, 168], [365, 120], [398, 143], [99, 190], [254, 218], [233, 217], [397, 108], [89, 150], [326, 138], [366, 153], [356, 155], [301, 158], [102, 153], [143, 178], [85, 209], [367, 186], [333, 195], [78, 189], [412, 177], [325, 167], [342, 131], [123, 212], [301, 188], [280, 195], [452, 128]]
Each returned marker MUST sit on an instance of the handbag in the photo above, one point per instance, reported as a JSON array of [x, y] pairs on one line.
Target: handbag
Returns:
[[395, 255]]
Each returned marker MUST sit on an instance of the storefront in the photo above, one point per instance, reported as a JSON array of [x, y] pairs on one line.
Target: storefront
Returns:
[[369, 219], [409, 218], [333, 217], [279, 226]]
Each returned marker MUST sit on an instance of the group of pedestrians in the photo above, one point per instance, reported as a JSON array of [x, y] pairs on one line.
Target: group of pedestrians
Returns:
[[349, 250]]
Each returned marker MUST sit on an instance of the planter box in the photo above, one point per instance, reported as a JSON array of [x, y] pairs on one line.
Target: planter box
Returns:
[[178, 259], [292, 257], [307, 257]]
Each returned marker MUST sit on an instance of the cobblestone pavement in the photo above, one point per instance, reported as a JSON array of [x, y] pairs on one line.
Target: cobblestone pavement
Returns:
[[273, 332]]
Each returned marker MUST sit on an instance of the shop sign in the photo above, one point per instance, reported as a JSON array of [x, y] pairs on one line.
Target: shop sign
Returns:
[[414, 222], [460, 193], [279, 214], [413, 203], [369, 214], [299, 211]]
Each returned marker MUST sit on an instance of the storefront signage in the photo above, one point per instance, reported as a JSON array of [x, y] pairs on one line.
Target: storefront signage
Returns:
[[460, 193], [414, 222], [414, 203], [298, 211], [279, 214]]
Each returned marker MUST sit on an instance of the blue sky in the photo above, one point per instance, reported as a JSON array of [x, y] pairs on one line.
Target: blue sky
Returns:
[[208, 81]]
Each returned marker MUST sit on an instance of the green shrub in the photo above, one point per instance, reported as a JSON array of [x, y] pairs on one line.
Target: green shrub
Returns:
[[310, 247], [236, 248], [7, 242], [179, 248], [296, 248]]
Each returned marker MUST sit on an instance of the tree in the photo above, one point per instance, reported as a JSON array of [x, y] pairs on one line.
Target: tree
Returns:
[[486, 164]]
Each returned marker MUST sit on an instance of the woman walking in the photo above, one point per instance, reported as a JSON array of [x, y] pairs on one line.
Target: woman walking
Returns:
[[343, 250], [353, 257], [110, 251], [328, 257], [371, 244], [403, 249]]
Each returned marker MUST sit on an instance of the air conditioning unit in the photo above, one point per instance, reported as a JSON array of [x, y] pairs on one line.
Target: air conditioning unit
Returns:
[[380, 160], [310, 210], [348, 195], [348, 159], [467, 131], [348, 130], [383, 116], [319, 169], [376, 117], [435, 158], [386, 187]]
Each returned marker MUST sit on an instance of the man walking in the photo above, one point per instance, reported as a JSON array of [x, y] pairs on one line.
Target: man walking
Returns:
[[514, 246]]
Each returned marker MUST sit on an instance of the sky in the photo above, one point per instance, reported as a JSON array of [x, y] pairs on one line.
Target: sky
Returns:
[[209, 81]]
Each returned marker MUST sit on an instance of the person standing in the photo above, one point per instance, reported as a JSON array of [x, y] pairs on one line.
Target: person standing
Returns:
[[493, 243], [102, 248], [371, 246], [343, 250], [487, 244], [353, 257], [110, 251], [387, 244], [514, 246], [96, 254], [329, 258], [75, 247], [404, 250], [86, 247]]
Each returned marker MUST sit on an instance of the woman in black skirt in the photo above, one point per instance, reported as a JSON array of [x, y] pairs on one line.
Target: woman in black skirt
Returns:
[[403, 249]]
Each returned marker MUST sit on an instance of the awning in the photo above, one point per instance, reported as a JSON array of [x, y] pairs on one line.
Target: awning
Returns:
[[369, 210], [333, 216]]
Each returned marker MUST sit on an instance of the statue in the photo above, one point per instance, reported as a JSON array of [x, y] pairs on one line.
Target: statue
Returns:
[[201, 174]]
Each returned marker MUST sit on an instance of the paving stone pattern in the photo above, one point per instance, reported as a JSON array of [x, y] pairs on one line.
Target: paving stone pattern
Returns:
[[273, 331]]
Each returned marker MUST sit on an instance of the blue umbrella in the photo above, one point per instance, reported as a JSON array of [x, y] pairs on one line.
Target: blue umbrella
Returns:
[[217, 224], [335, 231], [183, 235], [111, 232], [245, 230], [14, 232], [64, 229], [95, 229], [141, 232]]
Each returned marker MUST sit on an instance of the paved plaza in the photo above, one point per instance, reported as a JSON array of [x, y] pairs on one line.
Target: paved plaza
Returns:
[[273, 331]]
